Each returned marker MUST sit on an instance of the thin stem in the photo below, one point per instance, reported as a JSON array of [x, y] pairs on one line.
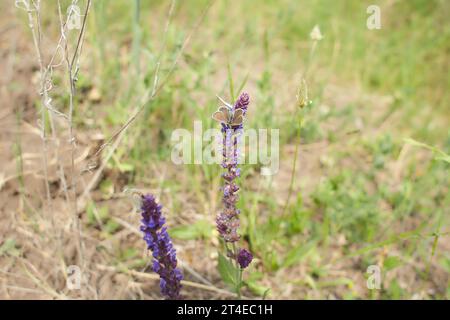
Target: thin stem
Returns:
[[238, 277], [43, 91], [294, 165], [72, 78]]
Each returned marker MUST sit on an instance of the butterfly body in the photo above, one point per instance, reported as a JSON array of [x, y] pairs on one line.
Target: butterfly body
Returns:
[[226, 114]]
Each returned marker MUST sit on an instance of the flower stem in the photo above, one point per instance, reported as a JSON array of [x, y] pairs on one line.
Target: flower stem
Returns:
[[294, 165], [238, 274]]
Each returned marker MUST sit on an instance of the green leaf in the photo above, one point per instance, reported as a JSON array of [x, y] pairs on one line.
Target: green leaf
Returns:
[[111, 226], [230, 81], [444, 157], [96, 215], [395, 291], [227, 271], [297, 254], [107, 187], [257, 289], [9, 247], [392, 262], [90, 213], [202, 229], [125, 167], [242, 84], [417, 143], [310, 282], [438, 154], [129, 253], [336, 282]]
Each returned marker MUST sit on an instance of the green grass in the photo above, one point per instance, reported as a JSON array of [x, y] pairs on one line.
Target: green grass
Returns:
[[266, 47]]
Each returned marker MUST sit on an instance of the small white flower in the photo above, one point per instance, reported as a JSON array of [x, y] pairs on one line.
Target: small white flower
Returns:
[[315, 34]]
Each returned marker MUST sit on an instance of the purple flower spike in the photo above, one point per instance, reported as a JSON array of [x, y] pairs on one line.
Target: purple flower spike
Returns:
[[244, 258], [243, 102], [159, 242], [228, 220]]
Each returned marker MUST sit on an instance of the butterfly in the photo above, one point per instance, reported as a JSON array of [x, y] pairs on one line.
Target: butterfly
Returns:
[[226, 115]]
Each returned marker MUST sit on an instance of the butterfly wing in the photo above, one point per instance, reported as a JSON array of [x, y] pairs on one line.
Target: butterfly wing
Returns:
[[238, 117], [220, 116], [225, 110], [238, 112], [237, 120]]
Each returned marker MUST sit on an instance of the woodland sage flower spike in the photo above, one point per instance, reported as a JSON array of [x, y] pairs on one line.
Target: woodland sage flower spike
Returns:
[[231, 118], [159, 242]]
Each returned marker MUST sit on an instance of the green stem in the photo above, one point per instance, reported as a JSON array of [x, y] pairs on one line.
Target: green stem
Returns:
[[238, 274], [294, 165]]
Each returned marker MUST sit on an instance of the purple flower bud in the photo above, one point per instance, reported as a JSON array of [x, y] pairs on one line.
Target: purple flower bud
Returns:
[[159, 242], [244, 258], [243, 102]]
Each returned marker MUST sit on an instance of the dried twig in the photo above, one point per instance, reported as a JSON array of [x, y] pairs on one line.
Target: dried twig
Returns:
[[156, 277]]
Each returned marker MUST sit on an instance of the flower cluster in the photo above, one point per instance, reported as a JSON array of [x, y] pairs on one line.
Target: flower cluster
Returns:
[[159, 242], [243, 102], [227, 220], [244, 258]]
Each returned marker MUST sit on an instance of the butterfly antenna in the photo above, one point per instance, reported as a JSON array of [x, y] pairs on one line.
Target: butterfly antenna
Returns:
[[224, 102]]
